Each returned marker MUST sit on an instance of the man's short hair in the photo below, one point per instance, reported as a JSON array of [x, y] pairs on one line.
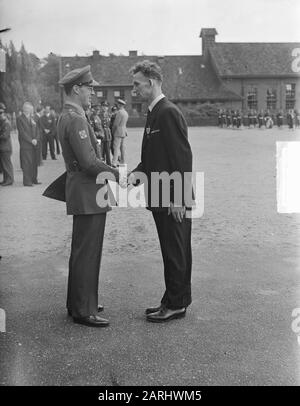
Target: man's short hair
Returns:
[[149, 69]]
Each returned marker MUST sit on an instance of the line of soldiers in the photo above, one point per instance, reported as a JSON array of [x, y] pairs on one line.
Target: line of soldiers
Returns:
[[252, 119]]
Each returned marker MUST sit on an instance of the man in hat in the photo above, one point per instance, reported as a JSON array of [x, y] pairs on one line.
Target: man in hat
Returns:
[[119, 133], [5, 149], [83, 165], [166, 149]]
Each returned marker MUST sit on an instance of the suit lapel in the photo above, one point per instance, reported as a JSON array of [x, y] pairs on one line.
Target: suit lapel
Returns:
[[150, 121]]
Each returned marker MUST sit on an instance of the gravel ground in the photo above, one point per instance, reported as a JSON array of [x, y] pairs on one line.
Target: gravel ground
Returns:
[[245, 280]]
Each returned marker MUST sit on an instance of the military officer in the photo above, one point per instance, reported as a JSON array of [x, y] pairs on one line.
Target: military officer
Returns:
[[83, 165], [5, 149], [105, 120]]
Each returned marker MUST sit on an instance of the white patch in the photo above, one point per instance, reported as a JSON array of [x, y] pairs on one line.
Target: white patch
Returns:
[[288, 169], [2, 321], [82, 134]]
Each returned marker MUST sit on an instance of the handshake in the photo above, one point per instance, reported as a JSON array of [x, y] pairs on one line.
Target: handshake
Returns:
[[126, 180]]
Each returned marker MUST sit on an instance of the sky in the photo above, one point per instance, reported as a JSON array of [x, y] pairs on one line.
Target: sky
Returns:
[[152, 27]]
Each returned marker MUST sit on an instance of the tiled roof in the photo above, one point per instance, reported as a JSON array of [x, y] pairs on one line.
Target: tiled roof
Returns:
[[185, 77], [247, 59]]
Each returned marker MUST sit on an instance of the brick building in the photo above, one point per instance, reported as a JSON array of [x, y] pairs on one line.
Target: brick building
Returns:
[[236, 75]]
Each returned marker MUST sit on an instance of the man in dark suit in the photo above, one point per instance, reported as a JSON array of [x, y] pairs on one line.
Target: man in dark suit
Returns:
[[165, 148], [28, 139], [83, 165], [48, 129]]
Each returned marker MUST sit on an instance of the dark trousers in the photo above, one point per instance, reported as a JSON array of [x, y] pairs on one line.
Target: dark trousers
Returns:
[[7, 168], [175, 243], [48, 139], [29, 165], [57, 145], [38, 151], [84, 264], [105, 151]]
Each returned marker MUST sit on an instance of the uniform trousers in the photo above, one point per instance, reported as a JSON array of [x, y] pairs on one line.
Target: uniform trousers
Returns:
[[105, 151], [48, 139], [7, 168], [119, 150], [175, 243], [84, 264]]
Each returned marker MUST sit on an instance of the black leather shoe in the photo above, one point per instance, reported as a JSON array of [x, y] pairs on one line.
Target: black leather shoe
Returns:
[[164, 315], [91, 321], [6, 183], [100, 309], [153, 309], [37, 183]]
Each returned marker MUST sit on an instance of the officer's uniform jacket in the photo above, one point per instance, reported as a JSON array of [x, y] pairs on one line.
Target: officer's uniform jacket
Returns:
[[5, 141], [105, 120], [119, 125], [82, 160]]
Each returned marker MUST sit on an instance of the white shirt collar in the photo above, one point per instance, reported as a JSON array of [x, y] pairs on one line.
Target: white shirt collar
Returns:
[[155, 101]]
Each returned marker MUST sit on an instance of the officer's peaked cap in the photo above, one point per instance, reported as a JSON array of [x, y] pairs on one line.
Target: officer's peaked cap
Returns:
[[78, 76]]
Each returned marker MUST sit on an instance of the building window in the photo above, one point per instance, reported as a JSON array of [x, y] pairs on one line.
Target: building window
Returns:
[[290, 93], [271, 99], [101, 94], [119, 94], [133, 93], [252, 98]]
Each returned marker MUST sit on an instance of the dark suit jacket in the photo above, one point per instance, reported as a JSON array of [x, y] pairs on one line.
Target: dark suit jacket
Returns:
[[83, 164], [165, 148], [27, 131], [47, 123]]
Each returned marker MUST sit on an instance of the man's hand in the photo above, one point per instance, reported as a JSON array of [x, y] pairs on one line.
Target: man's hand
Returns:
[[131, 180], [177, 212], [34, 142], [123, 182]]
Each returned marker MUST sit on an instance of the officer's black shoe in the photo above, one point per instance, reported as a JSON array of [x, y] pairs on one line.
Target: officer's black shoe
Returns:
[[164, 315], [154, 309], [91, 321], [6, 183], [100, 309], [37, 183]]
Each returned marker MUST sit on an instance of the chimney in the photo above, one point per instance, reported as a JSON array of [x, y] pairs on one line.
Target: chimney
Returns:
[[133, 53], [96, 54], [208, 36]]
